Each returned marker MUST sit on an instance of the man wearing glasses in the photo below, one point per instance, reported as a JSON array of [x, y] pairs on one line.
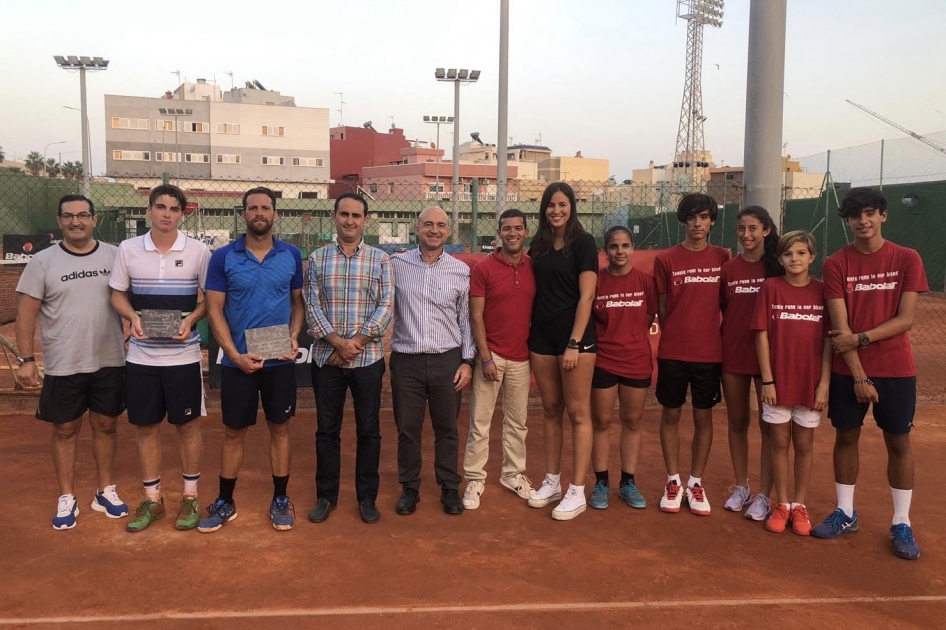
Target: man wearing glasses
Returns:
[[65, 289]]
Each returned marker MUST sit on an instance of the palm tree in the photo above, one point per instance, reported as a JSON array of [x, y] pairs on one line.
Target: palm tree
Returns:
[[2, 155], [34, 163], [72, 170], [53, 168]]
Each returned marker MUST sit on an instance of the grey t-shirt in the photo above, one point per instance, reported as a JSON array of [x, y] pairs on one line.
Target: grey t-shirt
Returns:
[[78, 328]]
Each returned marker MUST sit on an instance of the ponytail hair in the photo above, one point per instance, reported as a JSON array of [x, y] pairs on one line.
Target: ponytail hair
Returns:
[[770, 243]]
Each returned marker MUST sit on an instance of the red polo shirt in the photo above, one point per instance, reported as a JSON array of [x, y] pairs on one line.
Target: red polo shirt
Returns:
[[509, 291]]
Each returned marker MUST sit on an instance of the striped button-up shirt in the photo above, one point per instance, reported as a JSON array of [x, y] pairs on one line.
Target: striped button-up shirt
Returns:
[[349, 295], [431, 305]]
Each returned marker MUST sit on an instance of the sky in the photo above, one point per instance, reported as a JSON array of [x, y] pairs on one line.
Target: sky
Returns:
[[604, 77]]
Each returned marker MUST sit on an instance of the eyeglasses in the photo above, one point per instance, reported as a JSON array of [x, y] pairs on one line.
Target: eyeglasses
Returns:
[[68, 216]]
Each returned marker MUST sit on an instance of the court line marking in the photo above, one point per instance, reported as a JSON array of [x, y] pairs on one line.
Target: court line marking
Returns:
[[489, 608]]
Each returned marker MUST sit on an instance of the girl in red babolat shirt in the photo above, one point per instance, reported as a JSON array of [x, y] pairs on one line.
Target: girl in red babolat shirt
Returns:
[[624, 309], [795, 360], [742, 277]]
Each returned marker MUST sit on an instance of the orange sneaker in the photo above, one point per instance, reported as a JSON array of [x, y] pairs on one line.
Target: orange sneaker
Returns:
[[800, 523], [779, 519]]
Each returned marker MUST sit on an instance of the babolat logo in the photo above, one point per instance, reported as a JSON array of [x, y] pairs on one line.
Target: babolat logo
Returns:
[[800, 317], [712, 279], [875, 286], [75, 275], [747, 289], [623, 303]]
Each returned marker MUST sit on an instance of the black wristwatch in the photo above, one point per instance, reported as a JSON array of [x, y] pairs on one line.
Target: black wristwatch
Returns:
[[469, 362], [573, 344], [862, 340], [22, 360]]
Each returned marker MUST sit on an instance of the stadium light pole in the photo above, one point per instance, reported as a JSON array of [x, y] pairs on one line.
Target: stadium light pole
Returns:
[[438, 120], [176, 112], [82, 64], [457, 77]]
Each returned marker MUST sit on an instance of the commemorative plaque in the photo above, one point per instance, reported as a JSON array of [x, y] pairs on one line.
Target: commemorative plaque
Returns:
[[160, 324], [270, 342]]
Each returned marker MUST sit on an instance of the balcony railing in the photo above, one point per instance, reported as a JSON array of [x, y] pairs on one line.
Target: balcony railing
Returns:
[[467, 196]]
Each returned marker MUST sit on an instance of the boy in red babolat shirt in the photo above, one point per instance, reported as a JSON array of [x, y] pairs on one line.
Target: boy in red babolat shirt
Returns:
[[871, 287], [690, 352]]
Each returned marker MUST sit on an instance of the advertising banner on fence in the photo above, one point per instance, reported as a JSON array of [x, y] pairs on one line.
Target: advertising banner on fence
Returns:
[[19, 248]]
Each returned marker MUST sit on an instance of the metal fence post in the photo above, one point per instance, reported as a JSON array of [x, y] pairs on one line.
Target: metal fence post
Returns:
[[474, 218]]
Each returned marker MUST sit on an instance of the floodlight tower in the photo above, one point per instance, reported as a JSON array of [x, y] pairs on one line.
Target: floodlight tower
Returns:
[[689, 158], [83, 64]]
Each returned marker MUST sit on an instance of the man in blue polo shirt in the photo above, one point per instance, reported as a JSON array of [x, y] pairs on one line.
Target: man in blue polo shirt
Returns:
[[255, 282]]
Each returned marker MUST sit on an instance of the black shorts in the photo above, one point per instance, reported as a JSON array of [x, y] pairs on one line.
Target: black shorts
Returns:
[[550, 338], [893, 412], [240, 394], [602, 379], [156, 391], [65, 398], [674, 376]]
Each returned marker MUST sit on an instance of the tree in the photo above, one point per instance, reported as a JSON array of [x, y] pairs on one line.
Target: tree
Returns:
[[72, 170], [53, 168], [2, 155], [34, 163]]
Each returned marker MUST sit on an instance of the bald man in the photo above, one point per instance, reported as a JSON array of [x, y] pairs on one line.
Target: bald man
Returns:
[[432, 353]]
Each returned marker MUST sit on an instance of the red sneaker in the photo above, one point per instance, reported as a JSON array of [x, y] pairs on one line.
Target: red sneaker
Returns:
[[800, 523], [779, 519]]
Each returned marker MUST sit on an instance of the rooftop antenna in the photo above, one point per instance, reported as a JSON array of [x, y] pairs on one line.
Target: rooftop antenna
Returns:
[[230, 72], [538, 138], [393, 126], [178, 73], [341, 106]]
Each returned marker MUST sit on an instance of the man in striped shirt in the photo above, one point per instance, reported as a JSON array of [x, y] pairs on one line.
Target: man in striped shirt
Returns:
[[349, 298], [163, 270], [431, 358]]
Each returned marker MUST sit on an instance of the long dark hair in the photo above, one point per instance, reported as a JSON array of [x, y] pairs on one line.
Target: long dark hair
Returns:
[[770, 243], [543, 241]]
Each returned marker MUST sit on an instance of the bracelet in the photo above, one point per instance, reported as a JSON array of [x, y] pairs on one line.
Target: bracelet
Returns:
[[768, 382], [487, 362], [865, 381]]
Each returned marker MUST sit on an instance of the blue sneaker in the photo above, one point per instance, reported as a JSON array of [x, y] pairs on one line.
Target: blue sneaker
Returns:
[[283, 513], [836, 524], [599, 496], [66, 512], [108, 503], [218, 513], [903, 544], [629, 492]]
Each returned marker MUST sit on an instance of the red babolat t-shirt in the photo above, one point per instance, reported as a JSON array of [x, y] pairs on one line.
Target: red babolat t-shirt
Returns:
[[507, 311], [871, 286], [739, 290], [795, 319], [691, 282], [620, 313]]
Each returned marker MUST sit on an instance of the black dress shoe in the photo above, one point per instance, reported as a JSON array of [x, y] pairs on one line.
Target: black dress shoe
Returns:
[[369, 511], [450, 497], [407, 504], [321, 510]]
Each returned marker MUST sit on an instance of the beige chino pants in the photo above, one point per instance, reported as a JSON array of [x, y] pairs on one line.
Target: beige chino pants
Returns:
[[514, 381]]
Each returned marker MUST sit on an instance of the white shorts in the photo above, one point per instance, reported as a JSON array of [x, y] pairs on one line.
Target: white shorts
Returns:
[[803, 416]]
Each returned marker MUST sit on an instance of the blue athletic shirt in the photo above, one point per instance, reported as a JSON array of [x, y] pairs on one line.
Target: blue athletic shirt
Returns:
[[258, 293]]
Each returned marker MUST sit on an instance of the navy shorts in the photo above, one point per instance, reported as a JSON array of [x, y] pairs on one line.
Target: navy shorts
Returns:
[[550, 338], [673, 378], [156, 391], [240, 395], [602, 379], [893, 412], [65, 398]]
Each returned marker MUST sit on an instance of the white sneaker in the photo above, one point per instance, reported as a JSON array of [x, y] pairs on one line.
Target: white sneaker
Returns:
[[759, 508], [471, 496], [550, 490], [572, 505], [519, 484], [696, 497], [738, 500], [672, 498]]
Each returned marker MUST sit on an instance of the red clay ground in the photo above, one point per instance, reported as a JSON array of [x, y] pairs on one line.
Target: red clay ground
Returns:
[[504, 565]]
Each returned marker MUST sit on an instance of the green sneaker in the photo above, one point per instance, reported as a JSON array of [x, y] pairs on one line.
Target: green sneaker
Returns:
[[147, 513], [189, 515]]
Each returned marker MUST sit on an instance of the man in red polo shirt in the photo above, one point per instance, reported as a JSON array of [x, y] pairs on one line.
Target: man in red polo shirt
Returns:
[[502, 288]]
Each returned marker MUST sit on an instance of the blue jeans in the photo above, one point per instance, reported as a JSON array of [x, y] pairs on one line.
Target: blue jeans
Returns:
[[331, 385]]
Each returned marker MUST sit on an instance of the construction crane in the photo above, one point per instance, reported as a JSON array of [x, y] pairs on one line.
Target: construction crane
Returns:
[[912, 134]]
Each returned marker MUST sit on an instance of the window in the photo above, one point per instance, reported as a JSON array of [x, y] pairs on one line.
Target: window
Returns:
[[228, 158], [730, 176], [163, 156], [228, 128], [302, 161], [202, 158], [435, 188], [164, 125], [144, 156], [196, 127], [274, 131], [274, 160], [309, 194], [510, 156], [131, 123], [373, 188]]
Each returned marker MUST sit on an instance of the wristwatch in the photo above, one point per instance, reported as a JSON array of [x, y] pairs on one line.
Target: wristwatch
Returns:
[[469, 362], [573, 344], [22, 360], [862, 340]]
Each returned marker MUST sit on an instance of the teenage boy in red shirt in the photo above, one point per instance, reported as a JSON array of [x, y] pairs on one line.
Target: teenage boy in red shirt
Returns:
[[871, 287], [690, 352]]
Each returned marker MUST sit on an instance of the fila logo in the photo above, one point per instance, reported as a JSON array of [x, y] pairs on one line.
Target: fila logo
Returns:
[[689, 279], [878, 286], [747, 289], [800, 317], [178, 263], [188, 412]]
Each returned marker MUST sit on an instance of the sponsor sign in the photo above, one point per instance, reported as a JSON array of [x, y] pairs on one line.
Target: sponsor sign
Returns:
[[19, 248]]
